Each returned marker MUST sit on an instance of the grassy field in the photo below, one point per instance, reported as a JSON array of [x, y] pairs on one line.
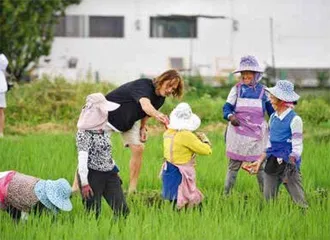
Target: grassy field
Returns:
[[243, 215]]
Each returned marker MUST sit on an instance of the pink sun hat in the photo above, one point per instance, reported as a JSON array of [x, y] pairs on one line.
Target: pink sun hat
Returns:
[[94, 115]]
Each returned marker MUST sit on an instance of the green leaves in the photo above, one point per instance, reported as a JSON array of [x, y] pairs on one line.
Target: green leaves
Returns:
[[26, 31]]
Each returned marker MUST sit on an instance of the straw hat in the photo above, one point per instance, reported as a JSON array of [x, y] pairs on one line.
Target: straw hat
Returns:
[[284, 90], [182, 118]]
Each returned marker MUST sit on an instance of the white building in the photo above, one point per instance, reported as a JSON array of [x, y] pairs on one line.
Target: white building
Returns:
[[121, 40]]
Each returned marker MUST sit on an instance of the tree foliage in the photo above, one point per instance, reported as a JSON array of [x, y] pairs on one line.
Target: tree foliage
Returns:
[[27, 30]]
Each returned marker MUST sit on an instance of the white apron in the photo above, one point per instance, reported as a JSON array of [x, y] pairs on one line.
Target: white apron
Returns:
[[249, 140]]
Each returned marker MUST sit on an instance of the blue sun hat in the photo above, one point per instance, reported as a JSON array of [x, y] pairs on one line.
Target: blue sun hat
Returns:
[[40, 192], [249, 63], [54, 194], [284, 90]]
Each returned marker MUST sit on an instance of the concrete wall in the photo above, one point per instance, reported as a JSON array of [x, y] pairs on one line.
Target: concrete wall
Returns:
[[301, 37]]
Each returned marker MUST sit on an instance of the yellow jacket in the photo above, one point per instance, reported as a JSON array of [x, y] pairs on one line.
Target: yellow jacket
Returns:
[[185, 144]]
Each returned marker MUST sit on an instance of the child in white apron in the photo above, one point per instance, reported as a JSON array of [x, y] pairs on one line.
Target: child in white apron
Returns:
[[247, 131]]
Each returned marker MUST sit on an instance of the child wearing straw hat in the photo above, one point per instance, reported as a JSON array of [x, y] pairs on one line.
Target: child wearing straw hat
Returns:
[[247, 131], [97, 170], [22, 193], [180, 148], [285, 146]]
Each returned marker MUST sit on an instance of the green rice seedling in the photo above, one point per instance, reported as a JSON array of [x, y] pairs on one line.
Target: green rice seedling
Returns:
[[242, 215]]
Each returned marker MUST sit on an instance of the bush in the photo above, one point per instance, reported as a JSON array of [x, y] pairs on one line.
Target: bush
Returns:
[[207, 108], [60, 102], [314, 111], [49, 101], [196, 87]]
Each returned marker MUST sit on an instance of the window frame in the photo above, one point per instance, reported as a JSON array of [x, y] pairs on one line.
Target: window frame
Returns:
[[193, 33], [115, 35], [64, 33]]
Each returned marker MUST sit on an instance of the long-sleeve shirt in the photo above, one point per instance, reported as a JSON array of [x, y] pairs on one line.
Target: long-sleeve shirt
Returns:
[[246, 92], [94, 152], [185, 144]]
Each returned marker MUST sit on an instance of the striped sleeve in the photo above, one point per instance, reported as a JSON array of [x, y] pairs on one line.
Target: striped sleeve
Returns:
[[297, 136]]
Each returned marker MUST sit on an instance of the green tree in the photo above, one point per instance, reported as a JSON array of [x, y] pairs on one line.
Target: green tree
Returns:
[[27, 31], [323, 78]]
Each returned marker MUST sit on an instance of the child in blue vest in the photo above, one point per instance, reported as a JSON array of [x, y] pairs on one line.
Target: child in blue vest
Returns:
[[247, 131], [285, 146]]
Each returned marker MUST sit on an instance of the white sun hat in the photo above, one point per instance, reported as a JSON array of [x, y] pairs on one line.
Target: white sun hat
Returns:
[[182, 118], [284, 90]]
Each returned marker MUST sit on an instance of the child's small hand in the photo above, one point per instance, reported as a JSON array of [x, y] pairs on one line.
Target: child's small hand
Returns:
[[203, 137], [234, 121], [254, 167], [247, 167], [292, 160], [87, 192]]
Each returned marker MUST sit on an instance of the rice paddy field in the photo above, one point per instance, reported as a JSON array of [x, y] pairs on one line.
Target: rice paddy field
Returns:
[[242, 215]]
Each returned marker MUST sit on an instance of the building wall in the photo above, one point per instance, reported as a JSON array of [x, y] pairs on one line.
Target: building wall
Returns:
[[301, 38]]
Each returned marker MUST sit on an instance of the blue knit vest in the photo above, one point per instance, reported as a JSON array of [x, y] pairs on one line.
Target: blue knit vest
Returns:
[[281, 137]]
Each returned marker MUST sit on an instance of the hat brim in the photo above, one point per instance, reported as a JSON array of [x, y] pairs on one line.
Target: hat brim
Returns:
[[111, 106], [292, 97], [40, 191], [238, 70], [190, 124], [63, 204]]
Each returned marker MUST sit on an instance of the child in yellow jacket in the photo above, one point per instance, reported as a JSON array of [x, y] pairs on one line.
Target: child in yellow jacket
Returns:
[[181, 145]]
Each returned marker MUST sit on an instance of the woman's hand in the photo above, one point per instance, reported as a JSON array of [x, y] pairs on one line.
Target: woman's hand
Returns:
[[143, 134], [162, 118]]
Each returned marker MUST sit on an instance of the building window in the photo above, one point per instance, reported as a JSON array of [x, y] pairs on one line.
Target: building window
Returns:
[[70, 26], [173, 27], [106, 26]]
